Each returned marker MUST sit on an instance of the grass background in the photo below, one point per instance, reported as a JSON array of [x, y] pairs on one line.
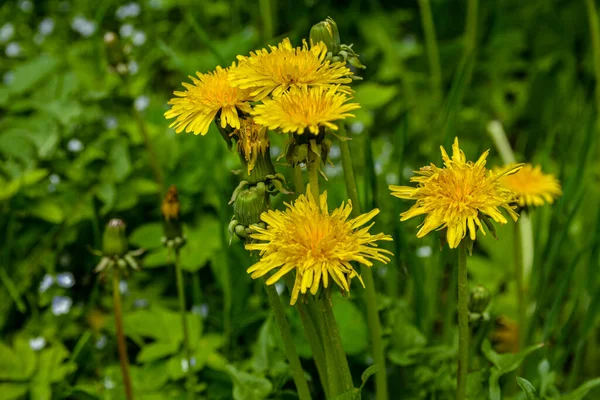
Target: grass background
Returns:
[[80, 144]]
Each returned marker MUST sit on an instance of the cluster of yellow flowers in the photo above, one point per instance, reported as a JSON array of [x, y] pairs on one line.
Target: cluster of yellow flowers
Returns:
[[303, 91]]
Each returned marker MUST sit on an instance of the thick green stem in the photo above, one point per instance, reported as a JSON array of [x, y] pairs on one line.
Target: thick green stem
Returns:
[[520, 287], [367, 274], [288, 343], [314, 162], [337, 363], [338, 371], [432, 48], [184, 325], [298, 180], [463, 323], [124, 361]]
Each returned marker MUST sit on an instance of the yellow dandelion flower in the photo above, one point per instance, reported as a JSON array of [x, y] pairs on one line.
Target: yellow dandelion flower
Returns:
[[457, 197], [274, 72], [209, 94], [531, 186], [253, 140], [317, 244], [304, 108]]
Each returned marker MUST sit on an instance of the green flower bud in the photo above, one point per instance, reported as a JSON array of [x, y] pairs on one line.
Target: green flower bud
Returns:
[[114, 241], [479, 299], [326, 32], [250, 204]]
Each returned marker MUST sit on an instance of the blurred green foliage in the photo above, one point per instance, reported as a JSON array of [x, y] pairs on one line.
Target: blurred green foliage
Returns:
[[83, 139]]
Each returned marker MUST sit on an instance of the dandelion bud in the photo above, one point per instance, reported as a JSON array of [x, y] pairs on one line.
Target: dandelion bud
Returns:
[[479, 299], [250, 204], [326, 32], [170, 209], [114, 53], [114, 241]]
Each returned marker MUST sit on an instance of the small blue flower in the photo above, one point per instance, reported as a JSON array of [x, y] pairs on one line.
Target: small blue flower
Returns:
[[101, 342], [37, 343], [65, 280], [46, 283], [61, 305], [200, 309], [140, 303]]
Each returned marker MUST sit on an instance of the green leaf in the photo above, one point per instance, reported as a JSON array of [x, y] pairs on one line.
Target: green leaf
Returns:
[[31, 72], [8, 190], [156, 351], [507, 362], [503, 364], [374, 95], [12, 391], [48, 210], [367, 373], [352, 324], [247, 386], [147, 236], [528, 388], [119, 158], [203, 241], [581, 391], [33, 176]]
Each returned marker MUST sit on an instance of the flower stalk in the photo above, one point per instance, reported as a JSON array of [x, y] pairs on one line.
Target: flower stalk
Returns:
[[186, 337], [288, 343], [122, 347], [370, 298], [463, 322]]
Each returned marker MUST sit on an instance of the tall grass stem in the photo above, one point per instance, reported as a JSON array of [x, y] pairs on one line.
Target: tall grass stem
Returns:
[[433, 56], [122, 347], [367, 274], [186, 337], [463, 323]]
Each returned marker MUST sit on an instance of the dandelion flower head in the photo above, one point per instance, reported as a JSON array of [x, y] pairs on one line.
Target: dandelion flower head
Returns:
[[457, 197], [253, 139], [531, 186], [204, 98], [274, 72], [318, 245], [304, 108]]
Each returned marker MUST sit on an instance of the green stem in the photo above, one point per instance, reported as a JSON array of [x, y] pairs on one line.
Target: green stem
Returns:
[[184, 325], [595, 34], [308, 318], [314, 162], [367, 274], [288, 343], [463, 323], [518, 265], [124, 361], [298, 180], [337, 363], [338, 371], [432, 48]]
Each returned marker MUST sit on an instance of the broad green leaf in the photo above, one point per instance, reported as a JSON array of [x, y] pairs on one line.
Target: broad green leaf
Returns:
[[147, 236], [352, 325], [33, 176], [31, 72], [8, 190], [507, 362], [48, 210], [119, 158], [203, 240], [528, 388], [14, 391], [247, 386], [372, 95], [156, 351]]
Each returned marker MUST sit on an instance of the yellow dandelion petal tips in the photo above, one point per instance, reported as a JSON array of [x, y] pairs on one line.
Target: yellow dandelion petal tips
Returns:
[[304, 108], [531, 186], [276, 70], [457, 196], [198, 106], [320, 246], [253, 140]]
